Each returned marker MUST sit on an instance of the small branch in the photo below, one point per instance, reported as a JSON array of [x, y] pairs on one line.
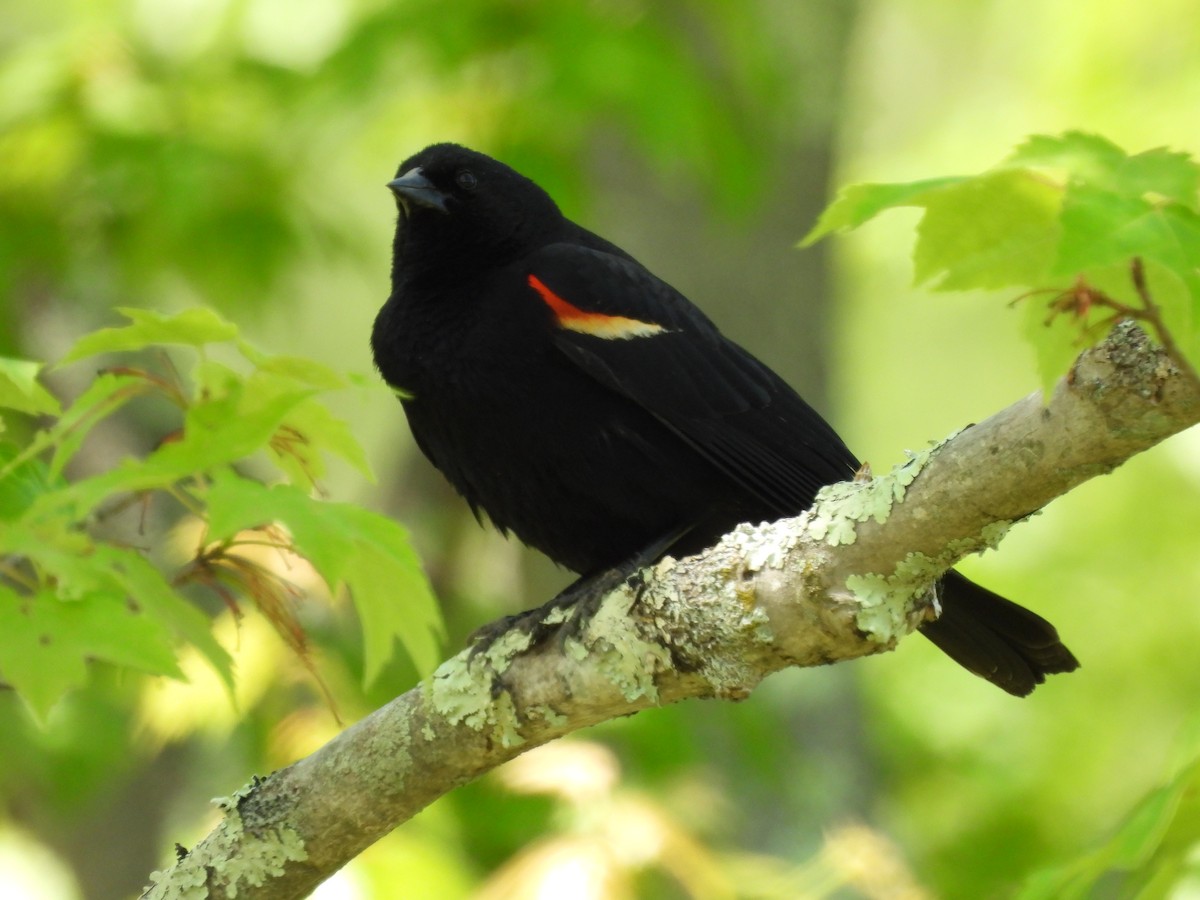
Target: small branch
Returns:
[[712, 625], [1152, 314], [1081, 298]]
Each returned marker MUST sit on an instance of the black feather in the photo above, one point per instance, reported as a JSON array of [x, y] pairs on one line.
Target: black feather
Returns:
[[591, 409]]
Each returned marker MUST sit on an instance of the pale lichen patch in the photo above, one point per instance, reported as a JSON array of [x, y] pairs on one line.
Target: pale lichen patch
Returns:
[[994, 533], [764, 547], [839, 508], [731, 612], [461, 691], [622, 654], [886, 608], [236, 857]]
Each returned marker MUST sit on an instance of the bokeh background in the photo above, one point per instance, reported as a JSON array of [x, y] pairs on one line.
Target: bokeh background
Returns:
[[164, 153]]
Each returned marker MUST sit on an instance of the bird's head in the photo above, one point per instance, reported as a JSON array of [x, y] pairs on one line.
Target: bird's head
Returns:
[[461, 209]]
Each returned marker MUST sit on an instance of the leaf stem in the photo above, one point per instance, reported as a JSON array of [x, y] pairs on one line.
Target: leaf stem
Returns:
[[1151, 313]]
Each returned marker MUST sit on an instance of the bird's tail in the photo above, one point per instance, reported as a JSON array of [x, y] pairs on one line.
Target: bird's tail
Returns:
[[1011, 647]]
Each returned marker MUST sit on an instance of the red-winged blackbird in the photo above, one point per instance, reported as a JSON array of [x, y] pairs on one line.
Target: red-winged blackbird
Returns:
[[589, 408]]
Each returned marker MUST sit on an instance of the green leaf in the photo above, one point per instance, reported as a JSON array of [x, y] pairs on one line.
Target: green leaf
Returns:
[[308, 430], [21, 391], [217, 432], [305, 371], [47, 641], [998, 230], [392, 595], [1060, 210], [38, 665], [1058, 338], [240, 423], [1175, 300], [1090, 159], [1102, 227], [22, 482], [860, 203], [193, 327], [61, 553], [1055, 339], [149, 591], [1143, 855], [104, 396], [80, 568], [367, 552], [1099, 228], [1174, 176], [235, 504], [1143, 832]]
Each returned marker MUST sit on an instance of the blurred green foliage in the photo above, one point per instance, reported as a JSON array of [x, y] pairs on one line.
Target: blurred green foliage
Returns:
[[1118, 234], [151, 151], [76, 591], [160, 154]]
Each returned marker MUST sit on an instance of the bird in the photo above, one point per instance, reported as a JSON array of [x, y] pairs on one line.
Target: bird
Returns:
[[591, 410]]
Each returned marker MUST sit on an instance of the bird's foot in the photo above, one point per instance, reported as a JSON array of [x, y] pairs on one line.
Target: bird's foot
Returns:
[[564, 618]]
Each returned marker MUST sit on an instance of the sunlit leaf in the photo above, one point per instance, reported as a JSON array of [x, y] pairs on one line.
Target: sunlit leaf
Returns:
[[392, 595], [1174, 176], [1061, 211], [1055, 339], [48, 640], [998, 230], [1101, 227], [20, 389], [80, 569], [107, 393], [1091, 159], [367, 552], [22, 483], [39, 666], [235, 504], [1088, 157], [860, 203], [150, 591], [309, 431], [193, 327], [217, 432], [305, 371]]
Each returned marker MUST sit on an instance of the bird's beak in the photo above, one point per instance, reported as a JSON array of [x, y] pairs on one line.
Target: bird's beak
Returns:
[[414, 188]]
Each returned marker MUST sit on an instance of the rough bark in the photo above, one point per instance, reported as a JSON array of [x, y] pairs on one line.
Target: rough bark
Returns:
[[848, 578]]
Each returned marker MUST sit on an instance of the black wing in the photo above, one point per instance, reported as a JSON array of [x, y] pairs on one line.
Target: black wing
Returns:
[[731, 408], [666, 356]]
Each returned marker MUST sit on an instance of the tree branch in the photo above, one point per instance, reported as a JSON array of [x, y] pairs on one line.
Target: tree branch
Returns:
[[848, 578]]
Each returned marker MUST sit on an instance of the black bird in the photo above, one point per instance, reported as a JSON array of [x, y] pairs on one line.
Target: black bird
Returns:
[[589, 408]]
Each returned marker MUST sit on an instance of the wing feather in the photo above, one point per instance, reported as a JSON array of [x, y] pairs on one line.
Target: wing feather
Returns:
[[722, 401]]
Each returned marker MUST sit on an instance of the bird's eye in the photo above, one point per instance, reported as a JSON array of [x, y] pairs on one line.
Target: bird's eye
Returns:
[[466, 180]]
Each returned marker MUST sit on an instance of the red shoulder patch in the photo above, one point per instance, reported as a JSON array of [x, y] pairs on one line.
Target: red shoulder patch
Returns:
[[573, 318]]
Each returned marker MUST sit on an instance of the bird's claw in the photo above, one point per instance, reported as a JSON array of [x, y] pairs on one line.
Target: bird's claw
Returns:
[[564, 618]]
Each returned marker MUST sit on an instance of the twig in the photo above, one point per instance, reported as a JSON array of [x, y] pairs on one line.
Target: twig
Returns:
[[1152, 314], [1081, 298]]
